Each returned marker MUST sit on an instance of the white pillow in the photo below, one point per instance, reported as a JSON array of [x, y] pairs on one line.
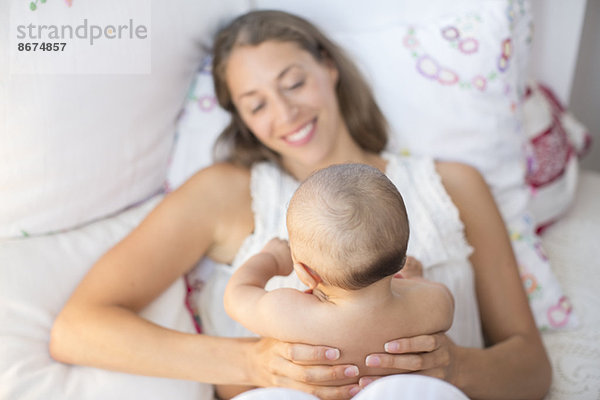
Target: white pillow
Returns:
[[37, 276], [79, 146], [200, 123]]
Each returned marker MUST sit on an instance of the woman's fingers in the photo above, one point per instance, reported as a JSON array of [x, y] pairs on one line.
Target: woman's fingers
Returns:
[[310, 378], [430, 355], [313, 374], [409, 362], [367, 380], [333, 392], [416, 344], [300, 366], [322, 392], [295, 368], [307, 354]]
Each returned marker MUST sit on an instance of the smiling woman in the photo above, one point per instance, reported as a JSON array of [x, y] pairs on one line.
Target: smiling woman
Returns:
[[322, 61], [297, 104], [287, 100]]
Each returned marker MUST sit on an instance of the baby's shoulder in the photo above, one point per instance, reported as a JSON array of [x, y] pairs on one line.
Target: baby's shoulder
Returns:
[[420, 290], [416, 298]]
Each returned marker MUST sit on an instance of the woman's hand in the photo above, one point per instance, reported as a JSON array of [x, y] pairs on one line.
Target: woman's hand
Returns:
[[300, 366], [431, 355]]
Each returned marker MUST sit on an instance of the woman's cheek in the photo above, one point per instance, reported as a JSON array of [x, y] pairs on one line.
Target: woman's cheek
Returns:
[[260, 128]]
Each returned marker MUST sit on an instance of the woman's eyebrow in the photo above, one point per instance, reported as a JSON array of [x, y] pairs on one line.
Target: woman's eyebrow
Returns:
[[285, 70], [248, 93]]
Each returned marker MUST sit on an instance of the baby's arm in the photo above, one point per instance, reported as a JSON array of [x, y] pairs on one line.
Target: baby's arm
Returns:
[[247, 301], [274, 259], [246, 288]]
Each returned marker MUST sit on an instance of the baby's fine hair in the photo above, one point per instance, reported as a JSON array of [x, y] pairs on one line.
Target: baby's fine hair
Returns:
[[352, 218]]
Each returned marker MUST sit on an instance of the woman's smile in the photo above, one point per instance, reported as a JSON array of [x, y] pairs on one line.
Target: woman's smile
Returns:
[[287, 99], [302, 135]]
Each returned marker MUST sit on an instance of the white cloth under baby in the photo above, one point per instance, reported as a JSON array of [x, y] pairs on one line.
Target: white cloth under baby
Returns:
[[407, 387], [436, 239]]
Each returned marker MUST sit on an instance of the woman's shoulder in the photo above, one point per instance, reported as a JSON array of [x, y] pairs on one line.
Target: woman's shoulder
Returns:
[[461, 181], [218, 178], [220, 188], [222, 170], [219, 196], [457, 175]]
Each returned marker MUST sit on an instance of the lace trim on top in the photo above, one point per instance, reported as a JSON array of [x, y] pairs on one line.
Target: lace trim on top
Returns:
[[436, 231], [271, 190]]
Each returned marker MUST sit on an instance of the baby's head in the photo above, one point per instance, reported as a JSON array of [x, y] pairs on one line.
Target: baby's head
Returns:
[[348, 224]]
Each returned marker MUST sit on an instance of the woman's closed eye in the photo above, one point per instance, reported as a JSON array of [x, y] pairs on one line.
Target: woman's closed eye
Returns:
[[296, 85], [257, 108]]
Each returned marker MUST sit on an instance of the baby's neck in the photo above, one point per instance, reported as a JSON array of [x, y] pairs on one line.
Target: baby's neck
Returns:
[[378, 291]]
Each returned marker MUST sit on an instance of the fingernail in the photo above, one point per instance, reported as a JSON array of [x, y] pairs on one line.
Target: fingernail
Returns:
[[332, 354], [373, 361], [392, 346], [351, 371], [364, 382], [354, 390]]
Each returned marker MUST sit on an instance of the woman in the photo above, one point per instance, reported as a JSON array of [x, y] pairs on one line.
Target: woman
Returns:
[[299, 103]]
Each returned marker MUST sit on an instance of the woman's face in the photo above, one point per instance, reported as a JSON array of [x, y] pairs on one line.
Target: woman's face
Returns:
[[288, 100]]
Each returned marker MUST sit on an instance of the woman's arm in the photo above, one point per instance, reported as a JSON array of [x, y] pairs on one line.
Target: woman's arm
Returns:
[[515, 364], [99, 325]]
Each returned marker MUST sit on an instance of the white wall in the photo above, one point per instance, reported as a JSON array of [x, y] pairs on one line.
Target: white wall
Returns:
[[556, 37], [585, 94]]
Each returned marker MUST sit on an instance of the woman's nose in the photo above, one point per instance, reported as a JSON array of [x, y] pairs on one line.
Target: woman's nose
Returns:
[[287, 110]]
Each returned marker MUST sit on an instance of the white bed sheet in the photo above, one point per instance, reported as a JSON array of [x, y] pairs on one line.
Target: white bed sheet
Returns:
[[573, 247], [38, 274]]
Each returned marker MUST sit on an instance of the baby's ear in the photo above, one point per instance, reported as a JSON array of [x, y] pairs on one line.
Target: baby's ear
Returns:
[[309, 277]]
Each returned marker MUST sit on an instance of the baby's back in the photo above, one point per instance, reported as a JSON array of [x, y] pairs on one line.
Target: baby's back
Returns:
[[362, 326]]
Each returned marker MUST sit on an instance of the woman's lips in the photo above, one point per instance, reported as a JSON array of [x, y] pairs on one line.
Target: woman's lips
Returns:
[[302, 135]]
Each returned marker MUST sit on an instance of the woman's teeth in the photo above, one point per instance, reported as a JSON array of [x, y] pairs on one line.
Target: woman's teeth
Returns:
[[301, 134]]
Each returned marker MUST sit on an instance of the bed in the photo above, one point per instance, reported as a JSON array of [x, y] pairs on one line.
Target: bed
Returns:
[[89, 149]]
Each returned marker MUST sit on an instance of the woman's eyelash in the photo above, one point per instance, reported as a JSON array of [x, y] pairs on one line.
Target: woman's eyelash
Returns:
[[297, 84], [294, 86], [257, 108]]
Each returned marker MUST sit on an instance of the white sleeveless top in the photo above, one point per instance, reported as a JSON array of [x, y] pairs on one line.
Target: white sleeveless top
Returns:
[[436, 239]]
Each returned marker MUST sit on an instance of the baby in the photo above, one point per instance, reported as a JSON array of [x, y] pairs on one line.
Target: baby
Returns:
[[348, 234]]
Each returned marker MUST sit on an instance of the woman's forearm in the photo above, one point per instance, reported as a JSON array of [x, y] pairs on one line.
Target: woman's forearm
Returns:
[[115, 338], [517, 368]]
